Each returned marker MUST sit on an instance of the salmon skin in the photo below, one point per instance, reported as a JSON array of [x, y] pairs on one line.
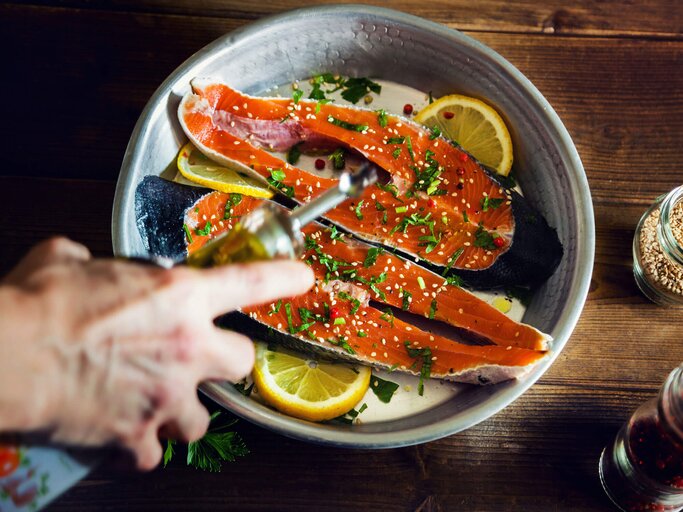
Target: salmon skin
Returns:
[[345, 315], [438, 205]]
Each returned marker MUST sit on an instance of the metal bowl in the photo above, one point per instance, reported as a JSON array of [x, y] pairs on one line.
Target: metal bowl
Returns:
[[375, 42]]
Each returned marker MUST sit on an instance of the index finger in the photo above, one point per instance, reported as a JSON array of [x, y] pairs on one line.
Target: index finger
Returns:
[[234, 286]]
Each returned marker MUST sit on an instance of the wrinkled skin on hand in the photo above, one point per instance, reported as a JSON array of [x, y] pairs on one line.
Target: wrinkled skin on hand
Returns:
[[105, 351]]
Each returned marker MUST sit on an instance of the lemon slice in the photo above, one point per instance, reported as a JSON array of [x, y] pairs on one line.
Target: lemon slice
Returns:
[[197, 168], [307, 388], [473, 124]]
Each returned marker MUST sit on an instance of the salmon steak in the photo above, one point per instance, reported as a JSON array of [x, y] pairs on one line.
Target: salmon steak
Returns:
[[437, 205], [365, 304]]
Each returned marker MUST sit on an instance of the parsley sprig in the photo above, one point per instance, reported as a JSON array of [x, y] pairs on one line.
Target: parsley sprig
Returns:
[[217, 446]]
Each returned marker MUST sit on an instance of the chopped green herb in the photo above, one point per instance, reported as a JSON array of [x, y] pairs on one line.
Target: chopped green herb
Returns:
[[373, 282], [361, 334], [342, 342], [290, 320], [275, 179], [425, 371], [362, 408], [379, 206], [278, 174], [294, 154], [465, 218], [346, 125], [431, 98], [432, 309], [401, 209], [383, 389], [396, 152], [320, 104], [388, 316], [188, 235], [389, 187], [353, 300], [393, 367], [297, 94], [340, 321], [490, 203], [436, 131], [205, 231], [484, 239], [356, 88], [371, 256], [406, 299], [409, 145], [233, 200], [421, 282], [453, 259], [335, 234], [359, 215], [454, 281], [338, 159], [382, 118], [427, 179], [276, 309], [396, 140]]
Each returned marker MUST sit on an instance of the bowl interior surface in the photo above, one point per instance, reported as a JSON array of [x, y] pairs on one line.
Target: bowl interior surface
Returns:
[[374, 42]]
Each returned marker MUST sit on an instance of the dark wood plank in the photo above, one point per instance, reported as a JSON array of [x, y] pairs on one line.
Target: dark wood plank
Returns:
[[619, 98], [584, 17]]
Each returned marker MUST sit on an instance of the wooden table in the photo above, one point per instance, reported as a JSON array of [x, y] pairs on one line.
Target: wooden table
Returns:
[[77, 74]]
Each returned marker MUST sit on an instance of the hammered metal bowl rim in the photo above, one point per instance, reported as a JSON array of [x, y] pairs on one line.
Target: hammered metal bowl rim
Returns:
[[506, 394]]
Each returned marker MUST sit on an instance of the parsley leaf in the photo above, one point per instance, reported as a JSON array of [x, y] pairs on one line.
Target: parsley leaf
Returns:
[[432, 309], [436, 131], [335, 234], [205, 231], [453, 259], [188, 234], [406, 299], [490, 203], [217, 446], [356, 88], [409, 145], [382, 118], [275, 179], [294, 154], [383, 389], [359, 215], [338, 159], [371, 257], [346, 125], [425, 370], [342, 342], [297, 94], [484, 239]]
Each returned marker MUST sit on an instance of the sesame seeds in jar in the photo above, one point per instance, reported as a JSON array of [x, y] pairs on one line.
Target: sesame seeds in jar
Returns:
[[658, 250]]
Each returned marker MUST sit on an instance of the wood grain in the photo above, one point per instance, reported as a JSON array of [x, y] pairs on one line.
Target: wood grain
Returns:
[[613, 71], [585, 17]]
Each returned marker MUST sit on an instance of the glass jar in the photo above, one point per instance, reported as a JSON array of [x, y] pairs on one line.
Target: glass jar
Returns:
[[643, 468], [658, 250]]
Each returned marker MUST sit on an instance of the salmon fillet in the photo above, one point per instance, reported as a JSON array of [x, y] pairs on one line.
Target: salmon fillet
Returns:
[[439, 204]]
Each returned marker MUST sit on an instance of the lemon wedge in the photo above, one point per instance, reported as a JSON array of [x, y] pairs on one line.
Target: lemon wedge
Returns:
[[197, 168], [473, 124], [305, 387]]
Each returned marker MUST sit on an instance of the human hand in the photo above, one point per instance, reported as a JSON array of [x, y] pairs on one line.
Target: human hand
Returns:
[[102, 351]]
